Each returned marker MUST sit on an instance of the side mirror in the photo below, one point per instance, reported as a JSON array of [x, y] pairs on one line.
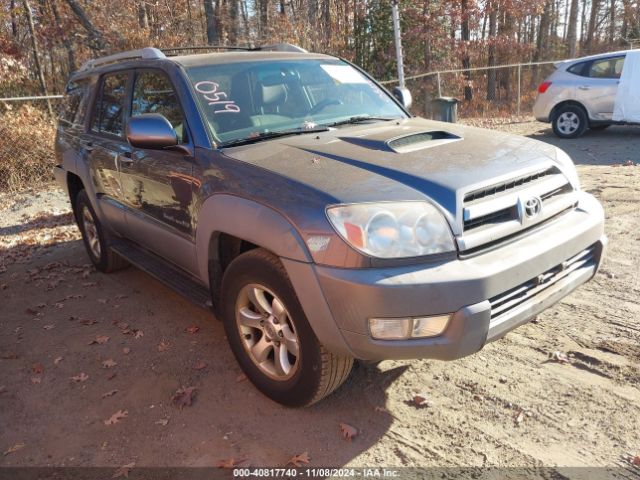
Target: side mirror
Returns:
[[403, 95], [151, 130]]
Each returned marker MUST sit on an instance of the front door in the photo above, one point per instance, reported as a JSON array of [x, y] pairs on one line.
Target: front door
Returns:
[[158, 184]]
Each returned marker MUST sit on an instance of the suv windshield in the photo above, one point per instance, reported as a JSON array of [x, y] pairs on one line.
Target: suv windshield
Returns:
[[246, 99]]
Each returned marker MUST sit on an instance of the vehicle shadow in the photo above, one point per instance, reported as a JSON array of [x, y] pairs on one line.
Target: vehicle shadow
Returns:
[[157, 351], [614, 145]]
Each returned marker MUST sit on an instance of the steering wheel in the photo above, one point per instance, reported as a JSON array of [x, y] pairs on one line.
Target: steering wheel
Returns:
[[322, 104]]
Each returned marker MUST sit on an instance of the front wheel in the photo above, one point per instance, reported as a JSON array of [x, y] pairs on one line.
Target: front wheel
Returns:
[[569, 121], [270, 336]]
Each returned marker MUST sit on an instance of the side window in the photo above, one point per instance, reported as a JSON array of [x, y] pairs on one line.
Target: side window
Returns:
[[606, 68], [109, 112], [577, 69], [74, 104], [154, 93]]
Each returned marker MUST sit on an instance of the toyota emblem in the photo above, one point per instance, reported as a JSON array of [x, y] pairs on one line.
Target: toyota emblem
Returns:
[[532, 207]]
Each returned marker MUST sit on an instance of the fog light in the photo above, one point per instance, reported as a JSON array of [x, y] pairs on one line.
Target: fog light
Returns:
[[390, 328], [429, 326]]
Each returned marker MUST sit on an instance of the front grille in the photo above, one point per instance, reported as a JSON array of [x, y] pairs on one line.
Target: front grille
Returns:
[[508, 185], [497, 212], [505, 302]]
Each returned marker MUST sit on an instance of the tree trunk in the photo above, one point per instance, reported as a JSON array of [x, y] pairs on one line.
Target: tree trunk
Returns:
[[143, 17], [71, 57], [591, 30], [612, 21], [572, 29], [36, 52], [213, 34], [493, 30], [97, 42], [466, 61], [14, 19]]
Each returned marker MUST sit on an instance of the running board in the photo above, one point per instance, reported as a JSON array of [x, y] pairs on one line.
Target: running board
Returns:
[[171, 276]]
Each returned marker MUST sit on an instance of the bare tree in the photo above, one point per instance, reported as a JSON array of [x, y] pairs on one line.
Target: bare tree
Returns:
[[97, 40], [36, 51], [572, 28]]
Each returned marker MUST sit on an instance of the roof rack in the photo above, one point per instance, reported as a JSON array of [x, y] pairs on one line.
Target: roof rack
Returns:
[[278, 47], [154, 53], [144, 53]]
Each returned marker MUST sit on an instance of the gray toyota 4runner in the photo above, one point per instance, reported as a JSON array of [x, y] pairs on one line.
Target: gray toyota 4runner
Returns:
[[321, 221]]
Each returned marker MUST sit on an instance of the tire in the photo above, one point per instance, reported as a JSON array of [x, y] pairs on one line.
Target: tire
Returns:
[[570, 121], [96, 239], [600, 126], [260, 307]]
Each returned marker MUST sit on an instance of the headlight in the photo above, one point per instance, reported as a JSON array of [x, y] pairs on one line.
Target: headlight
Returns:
[[568, 167], [392, 230]]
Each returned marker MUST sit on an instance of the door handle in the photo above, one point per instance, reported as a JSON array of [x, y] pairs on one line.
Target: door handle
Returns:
[[584, 87], [125, 158]]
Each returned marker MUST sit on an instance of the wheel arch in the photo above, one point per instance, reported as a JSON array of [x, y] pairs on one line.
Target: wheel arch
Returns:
[[566, 103]]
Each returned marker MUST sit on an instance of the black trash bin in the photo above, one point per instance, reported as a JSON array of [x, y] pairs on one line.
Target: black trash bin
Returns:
[[445, 109]]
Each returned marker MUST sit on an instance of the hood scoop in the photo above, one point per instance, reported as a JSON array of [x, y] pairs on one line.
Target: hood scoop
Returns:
[[418, 141]]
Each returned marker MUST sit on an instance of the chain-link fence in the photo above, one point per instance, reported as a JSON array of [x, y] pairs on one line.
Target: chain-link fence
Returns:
[[500, 91], [27, 134]]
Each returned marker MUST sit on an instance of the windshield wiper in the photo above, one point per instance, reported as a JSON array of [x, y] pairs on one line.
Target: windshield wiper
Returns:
[[360, 119], [275, 134]]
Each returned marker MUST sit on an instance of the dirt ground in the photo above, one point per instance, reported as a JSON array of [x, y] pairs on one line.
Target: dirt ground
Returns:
[[78, 346]]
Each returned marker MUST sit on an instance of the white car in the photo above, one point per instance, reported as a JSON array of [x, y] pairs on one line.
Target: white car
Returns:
[[590, 92]]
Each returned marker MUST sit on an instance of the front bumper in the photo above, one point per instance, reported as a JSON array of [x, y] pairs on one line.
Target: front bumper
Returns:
[[514, 282]]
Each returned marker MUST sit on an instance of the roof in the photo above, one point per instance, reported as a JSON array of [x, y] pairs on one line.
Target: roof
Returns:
[[197, 60], [595, 56]]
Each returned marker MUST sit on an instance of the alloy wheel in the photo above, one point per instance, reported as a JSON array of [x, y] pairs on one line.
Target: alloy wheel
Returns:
[[91, 232]]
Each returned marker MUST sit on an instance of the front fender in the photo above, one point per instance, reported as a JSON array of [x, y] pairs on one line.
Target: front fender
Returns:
[[250, 221]]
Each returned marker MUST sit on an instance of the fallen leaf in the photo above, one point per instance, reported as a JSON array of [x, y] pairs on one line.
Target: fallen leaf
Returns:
[[138, 334], [102, 301], [88, 322], [163, 422], [381, 409], [559, 357], [164, 346], [36, 380], [15, 448], [109, 363], [299, 460], [126, 350], [110, 393], [418, 401], [183, 397], [124, 470], [200, 365], [348, 432], [519, 417], [59, 305], [100, 339], [192, 329], [49, 327], [57, 360], [9, 356], [37, 368], [116, 417], [81, 377], [229, 463], [89, 284], [121, 296], [111, 376], [241, 378]]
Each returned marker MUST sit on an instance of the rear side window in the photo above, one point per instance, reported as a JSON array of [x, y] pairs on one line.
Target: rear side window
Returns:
[[577, 69], [108, 115], [74, 104], [154, 93], [606, 68]]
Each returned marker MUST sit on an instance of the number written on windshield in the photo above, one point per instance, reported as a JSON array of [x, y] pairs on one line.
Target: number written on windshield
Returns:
[[217, 98]]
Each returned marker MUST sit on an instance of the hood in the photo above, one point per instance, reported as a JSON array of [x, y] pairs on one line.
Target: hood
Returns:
[[412, 159]]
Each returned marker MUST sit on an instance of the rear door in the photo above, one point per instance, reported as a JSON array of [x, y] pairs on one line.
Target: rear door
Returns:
[[158, 185], [598, 86], [106, 145]]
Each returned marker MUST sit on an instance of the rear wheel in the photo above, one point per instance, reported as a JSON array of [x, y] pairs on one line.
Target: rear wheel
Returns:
[[270, 335], [96, 239], [570, 121]]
